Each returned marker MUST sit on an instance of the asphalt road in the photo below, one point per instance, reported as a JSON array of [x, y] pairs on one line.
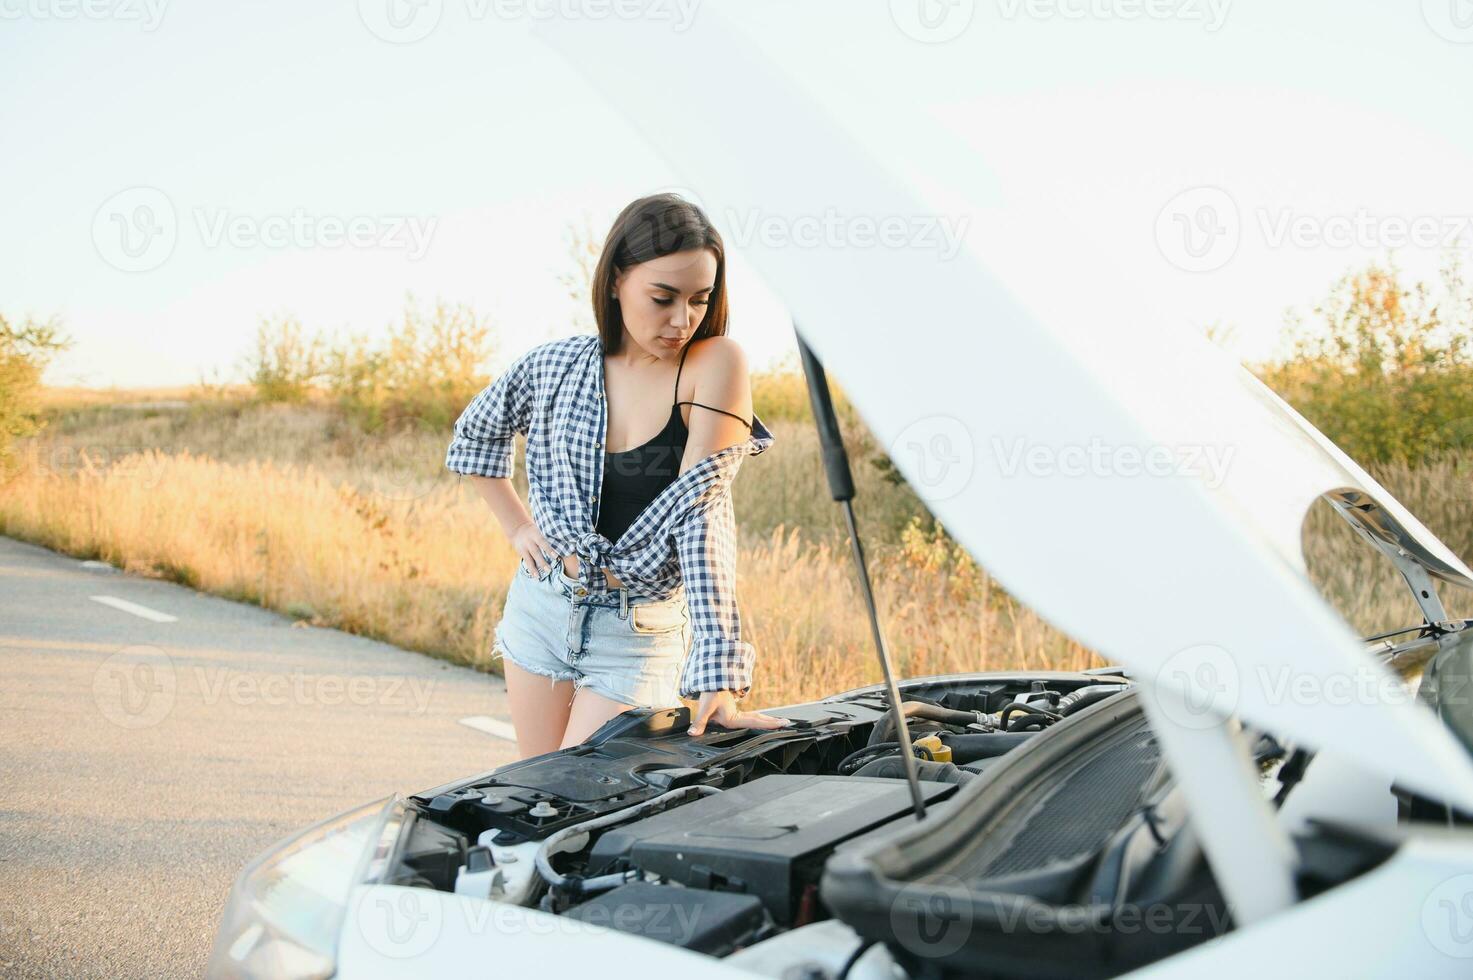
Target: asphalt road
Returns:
[[144, 762]]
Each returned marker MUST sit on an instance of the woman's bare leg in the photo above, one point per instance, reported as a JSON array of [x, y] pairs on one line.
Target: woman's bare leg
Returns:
[[539, 709], [589, 712]]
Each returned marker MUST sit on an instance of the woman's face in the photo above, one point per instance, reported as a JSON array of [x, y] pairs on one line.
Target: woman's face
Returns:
[[663, 301]]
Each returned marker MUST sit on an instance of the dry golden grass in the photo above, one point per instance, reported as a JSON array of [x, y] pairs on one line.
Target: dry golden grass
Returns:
[[64, 397], [295, 509]]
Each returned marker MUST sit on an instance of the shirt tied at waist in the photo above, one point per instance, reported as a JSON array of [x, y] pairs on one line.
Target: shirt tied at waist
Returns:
[[592, 549]]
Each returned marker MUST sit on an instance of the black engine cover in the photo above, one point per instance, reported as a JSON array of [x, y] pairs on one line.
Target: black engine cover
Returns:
[[768, 837]]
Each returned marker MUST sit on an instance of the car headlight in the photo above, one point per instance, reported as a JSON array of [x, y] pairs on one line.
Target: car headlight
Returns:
[[286, 910]]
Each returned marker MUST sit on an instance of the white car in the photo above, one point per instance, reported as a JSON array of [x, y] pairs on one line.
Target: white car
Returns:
[[1256, 791]]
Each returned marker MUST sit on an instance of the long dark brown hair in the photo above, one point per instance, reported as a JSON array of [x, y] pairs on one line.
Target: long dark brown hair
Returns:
[[647, 229]]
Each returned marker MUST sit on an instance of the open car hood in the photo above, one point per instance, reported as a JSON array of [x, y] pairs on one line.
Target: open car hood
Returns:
[[1040, 441]]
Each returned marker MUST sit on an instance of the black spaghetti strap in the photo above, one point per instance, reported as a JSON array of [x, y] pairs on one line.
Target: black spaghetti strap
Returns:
[[721, 410], [678, 369], [711, 407]]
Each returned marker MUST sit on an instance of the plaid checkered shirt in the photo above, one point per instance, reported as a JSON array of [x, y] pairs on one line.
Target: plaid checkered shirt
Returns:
[[554, 396]]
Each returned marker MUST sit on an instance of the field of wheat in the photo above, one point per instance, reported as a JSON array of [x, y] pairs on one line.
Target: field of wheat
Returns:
[[298, 509]]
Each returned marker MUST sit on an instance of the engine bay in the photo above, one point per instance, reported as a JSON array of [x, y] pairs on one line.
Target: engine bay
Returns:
[[743, 823], [1045, 796]]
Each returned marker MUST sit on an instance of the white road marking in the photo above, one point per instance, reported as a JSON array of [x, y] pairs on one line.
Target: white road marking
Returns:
[[490, 726], [134, 608]]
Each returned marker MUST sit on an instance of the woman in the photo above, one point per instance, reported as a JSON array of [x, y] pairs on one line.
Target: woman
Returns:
[[628, 556]]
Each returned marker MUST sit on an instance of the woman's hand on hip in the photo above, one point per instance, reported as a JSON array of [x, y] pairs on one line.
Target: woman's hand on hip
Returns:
[[528, 542], [721, 707]]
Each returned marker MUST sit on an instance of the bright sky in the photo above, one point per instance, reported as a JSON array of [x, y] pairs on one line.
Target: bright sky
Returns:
[[174, 171]]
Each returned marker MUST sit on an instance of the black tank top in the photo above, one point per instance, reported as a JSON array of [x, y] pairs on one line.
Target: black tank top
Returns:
[[635, 477]]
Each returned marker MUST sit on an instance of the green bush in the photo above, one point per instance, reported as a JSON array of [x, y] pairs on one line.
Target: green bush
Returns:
[[427, 369], [286, 363], [1388, 374], [424, 371], [25, 351]]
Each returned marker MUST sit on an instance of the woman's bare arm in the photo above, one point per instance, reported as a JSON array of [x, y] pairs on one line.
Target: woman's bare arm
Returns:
[[722, 379], [515, 520]]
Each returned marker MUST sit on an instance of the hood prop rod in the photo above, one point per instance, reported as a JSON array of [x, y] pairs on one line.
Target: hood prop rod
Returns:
[[841, 486]]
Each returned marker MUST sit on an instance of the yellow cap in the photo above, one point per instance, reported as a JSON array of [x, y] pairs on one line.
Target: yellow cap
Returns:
[[939, 752]]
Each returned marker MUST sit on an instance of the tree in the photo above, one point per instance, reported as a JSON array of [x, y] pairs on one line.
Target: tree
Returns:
[[25, 352]]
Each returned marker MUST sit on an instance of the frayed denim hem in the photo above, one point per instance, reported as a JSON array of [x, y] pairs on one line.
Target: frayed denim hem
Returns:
[[499, 649], [588, 682]]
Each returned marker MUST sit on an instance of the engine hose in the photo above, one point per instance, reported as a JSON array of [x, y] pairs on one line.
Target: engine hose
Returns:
[[884, 729], [937, 772], [972, 747], [1036, 709], [1086, 696], [851, 759], [1030, 718], [582, 885]]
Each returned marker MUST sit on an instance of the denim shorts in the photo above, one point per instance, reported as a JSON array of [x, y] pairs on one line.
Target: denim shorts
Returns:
[[627, 648]]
